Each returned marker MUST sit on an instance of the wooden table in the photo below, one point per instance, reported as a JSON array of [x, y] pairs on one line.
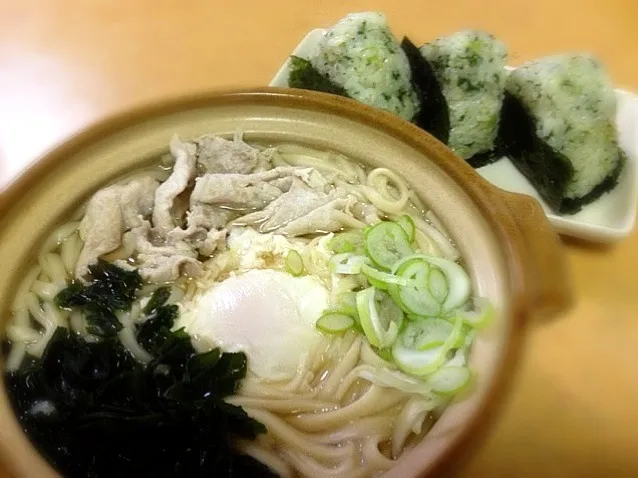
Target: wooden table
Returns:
[[65, 63]]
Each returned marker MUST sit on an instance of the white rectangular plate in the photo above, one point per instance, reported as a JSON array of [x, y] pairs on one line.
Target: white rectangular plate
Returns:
[[608, 219]]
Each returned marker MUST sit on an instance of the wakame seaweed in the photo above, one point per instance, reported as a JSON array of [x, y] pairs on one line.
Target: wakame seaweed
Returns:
[[155, 332], [433, 115], [305, 76], [109, 289], [158, 299], [94, 411]]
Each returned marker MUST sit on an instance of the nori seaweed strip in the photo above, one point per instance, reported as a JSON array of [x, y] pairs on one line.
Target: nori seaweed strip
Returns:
[[305, 76], [486, 157], [572, 206], [548, 170], [433, 115]]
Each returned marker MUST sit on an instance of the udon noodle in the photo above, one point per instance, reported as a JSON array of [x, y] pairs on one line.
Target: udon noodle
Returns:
[[332, 419]]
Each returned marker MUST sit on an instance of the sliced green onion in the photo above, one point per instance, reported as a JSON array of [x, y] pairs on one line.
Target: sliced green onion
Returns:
[[334, 323], [427, 333], [294, 263], [460, 357], [414, 317], [423, 362], [478, 312], [459, 286], [393, 291], [391, 313], [437, 283], [377, 277], [380, 317], [470, 335], [388, 378], [385, 354], [376, 283], [416, 298], [346, 263], [368, 316], [348, 241], [346, 303], [407, 224], [449, 380], [386, 243]]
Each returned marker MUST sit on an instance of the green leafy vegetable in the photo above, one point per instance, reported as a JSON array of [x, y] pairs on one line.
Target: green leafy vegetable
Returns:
[[110, 288], [305, 76], [155, 332], [159, 298], [94, 411]]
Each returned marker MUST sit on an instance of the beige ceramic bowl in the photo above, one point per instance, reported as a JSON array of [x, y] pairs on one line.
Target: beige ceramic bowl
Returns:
[[513, 255]]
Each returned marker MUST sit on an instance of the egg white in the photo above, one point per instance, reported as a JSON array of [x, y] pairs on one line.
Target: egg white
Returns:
[[254, 250], [259, 309]]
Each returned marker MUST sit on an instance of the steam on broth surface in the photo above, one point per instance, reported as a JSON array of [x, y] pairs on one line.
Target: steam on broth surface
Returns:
[[241, 310]]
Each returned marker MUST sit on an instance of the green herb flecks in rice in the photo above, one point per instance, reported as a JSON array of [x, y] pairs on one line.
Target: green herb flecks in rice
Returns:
[[469, 66], [361, 55]]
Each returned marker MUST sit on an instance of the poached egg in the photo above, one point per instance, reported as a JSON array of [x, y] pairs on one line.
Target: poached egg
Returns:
[[268, 314]]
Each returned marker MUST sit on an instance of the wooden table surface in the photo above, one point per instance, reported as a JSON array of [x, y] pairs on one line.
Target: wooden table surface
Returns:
[[65, 63]]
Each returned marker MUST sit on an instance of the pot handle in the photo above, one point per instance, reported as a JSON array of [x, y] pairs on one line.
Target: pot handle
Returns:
[[546, 275]]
